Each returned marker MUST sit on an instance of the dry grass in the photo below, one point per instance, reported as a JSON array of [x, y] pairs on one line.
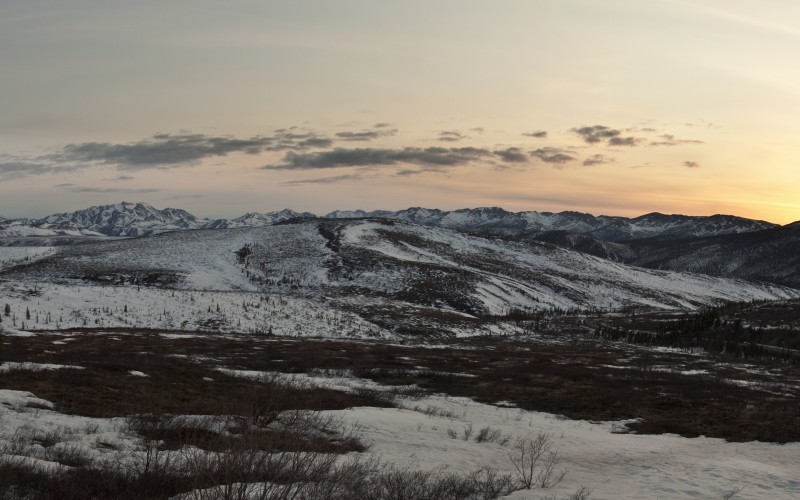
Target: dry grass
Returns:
[[577, 378]]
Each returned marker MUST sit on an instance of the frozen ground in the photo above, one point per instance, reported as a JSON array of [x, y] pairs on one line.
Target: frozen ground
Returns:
[[615, 466], [429, 432]]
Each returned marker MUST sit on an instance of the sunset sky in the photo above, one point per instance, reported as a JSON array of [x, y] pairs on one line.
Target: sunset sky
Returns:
[[619, 107]]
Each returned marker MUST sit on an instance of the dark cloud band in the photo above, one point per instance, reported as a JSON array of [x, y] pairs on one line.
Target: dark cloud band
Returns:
[[370, 157]]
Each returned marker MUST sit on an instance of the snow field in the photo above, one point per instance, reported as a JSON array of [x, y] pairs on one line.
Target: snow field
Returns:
[[429, 432], [11, 256], [56, 307]]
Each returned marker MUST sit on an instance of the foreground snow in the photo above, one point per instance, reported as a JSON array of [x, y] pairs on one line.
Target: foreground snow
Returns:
[[419, 436], [614, 465]]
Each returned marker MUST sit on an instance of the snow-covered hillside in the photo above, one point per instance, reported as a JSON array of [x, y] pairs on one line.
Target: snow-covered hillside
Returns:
[[397, 276], [48, 307], [604, 227]]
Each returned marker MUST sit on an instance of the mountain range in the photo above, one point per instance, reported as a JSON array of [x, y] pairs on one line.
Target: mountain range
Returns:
[[401, 277], [717, 245], [140, 219], [131, 220]]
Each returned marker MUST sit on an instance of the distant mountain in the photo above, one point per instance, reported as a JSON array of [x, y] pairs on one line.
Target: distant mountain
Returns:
[[140, 219], [395, 274], [124, 219], [603, 227], [771, 255], [254, 219], [121, 219], [131, 220]]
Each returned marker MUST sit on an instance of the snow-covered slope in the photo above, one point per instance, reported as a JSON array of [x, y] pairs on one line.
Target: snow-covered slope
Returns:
[[602, 227], [386, 261], [771, 255]]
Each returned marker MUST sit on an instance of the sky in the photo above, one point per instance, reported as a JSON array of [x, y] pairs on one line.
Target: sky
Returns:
[[619, 107]]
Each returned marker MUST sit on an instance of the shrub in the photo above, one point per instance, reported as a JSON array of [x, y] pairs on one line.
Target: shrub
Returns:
[[535, 462]]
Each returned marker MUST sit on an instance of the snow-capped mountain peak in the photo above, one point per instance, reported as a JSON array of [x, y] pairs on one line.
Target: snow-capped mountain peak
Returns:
[[141, 219]]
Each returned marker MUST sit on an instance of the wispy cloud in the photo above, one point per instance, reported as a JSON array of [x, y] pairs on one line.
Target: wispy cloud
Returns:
[[367, 135], [596, 133], [670, 140], [12, 167], [555, 156], [371, 157], [597, 159], [601, 133], [325, 180], [691, 164], [512, 155], [623, 141], [538, 134], [161, 150], [74, 188], [451, 136]]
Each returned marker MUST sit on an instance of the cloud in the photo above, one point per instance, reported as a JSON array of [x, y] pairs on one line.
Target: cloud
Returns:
[[511, 155], [556, 156], [73, 188], [478, 130], [539, 134], [691, 164], [186, 196], [367, 135], [382, 125], [12, 168], [325, 180], [596, 133], [161, 150], [407, 172], [294, 138], [123, 178], [183, 149], [433, 157], [309, 143], [597, 159], [623, 141], [670, 140], [451, 136], [703, 123], [600, 133]]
